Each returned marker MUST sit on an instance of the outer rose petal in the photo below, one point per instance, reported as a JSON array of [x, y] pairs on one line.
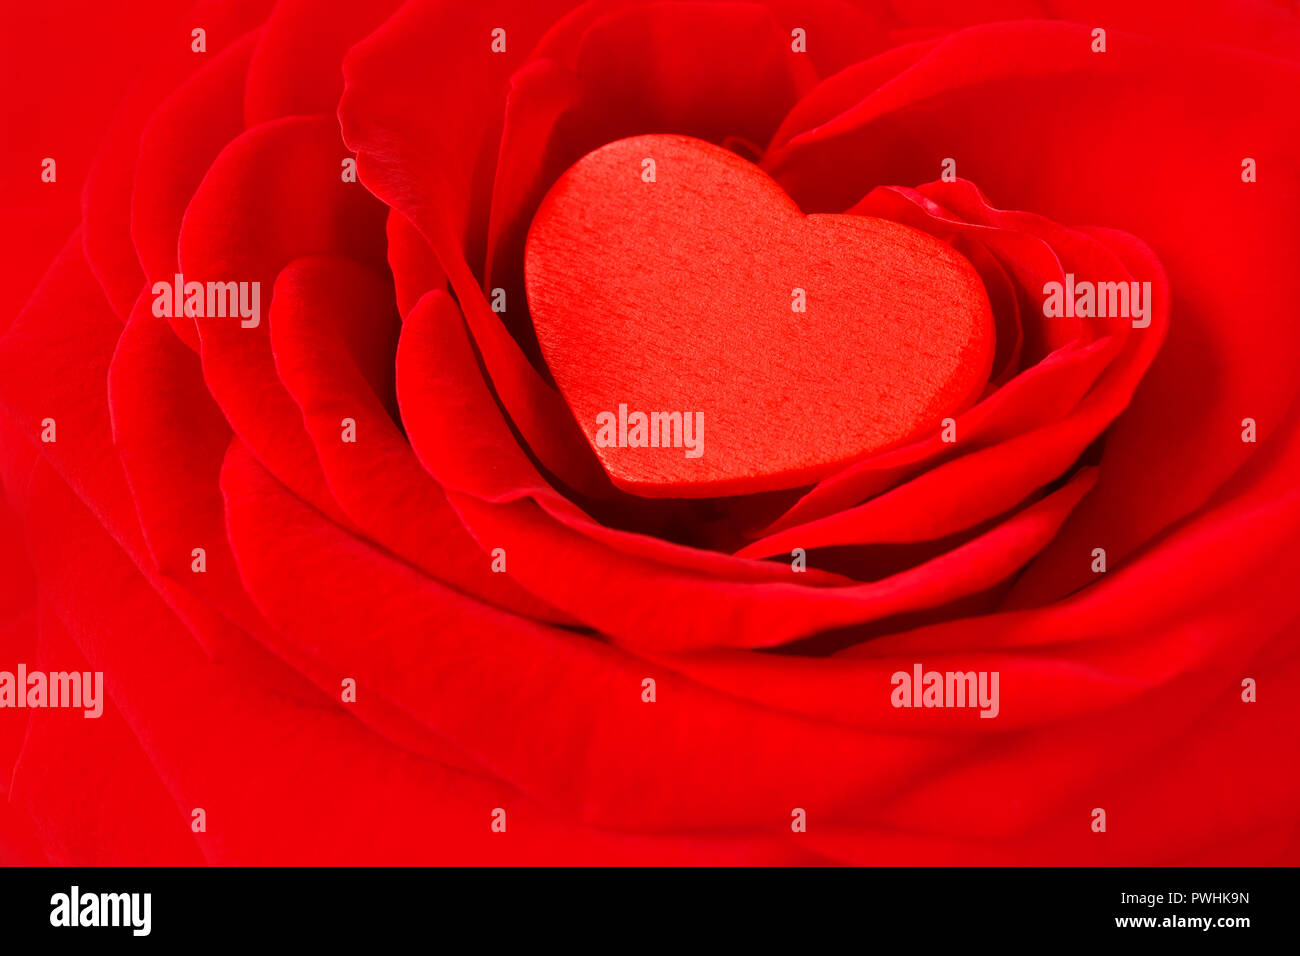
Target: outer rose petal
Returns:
[[1244, 24], [62, 117], [273, 195], [53, 362], [333, 333], [297, 67], [608, 758], [106, 203], [171, 438], [294, 752], [132, 820], [178, 145]]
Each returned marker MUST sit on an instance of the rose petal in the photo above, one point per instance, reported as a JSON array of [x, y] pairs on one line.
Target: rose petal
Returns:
[[424, 161], [657, 765], [273, 195], [53, 362], [297, 67], [132, 821], [294, 752], [106, 199], [414, 266], [334, 332], [178, 144]]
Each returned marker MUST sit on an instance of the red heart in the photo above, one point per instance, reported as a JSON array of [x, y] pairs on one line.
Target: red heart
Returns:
[[670, 288]]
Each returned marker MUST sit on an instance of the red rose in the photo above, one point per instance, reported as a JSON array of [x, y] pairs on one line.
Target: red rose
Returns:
[[286, 460]]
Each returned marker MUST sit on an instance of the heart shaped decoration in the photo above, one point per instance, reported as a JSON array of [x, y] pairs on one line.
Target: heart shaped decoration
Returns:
[[711, 339]]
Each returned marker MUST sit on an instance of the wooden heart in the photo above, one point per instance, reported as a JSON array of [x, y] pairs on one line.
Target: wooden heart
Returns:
[[711, 339]]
